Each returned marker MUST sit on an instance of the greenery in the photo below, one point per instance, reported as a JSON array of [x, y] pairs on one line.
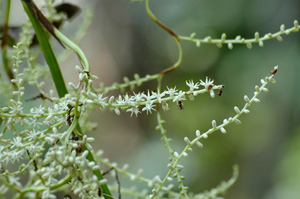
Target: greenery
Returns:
[[53, 135]]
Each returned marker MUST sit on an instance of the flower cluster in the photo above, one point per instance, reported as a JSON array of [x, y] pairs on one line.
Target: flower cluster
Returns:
[[146, 102]]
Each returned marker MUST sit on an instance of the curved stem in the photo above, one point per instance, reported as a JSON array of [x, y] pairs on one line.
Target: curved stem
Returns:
[[175, 37], [74, 47], [178, 60]]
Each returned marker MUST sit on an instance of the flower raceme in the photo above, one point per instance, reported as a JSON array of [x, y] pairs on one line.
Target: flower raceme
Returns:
[[142, 102]]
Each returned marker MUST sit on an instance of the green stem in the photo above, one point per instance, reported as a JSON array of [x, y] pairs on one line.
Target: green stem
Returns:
[[4, 44], [74, 47], [175, 37]]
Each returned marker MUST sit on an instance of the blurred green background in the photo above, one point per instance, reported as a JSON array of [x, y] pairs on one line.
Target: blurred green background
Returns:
[[122, 40]]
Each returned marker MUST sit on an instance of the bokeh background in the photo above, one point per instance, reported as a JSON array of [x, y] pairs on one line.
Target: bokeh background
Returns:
[[122, 40]]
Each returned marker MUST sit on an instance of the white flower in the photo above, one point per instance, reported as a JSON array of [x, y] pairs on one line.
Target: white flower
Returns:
[[63, 106], [34, 148], [16, 155], [212, 93], [207, 84], [16, 108], [134, 110], [192, 85], [158, 95], [14, 181], [17, 142], [128, 100], [120, 100], [138, 97], [101, 100], [149, 107], [38, 111], [32, 135], [179, 97], [172, 91], [148, 97]]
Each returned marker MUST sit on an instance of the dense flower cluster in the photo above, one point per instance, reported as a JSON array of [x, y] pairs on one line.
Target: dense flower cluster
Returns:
[[148, 101]]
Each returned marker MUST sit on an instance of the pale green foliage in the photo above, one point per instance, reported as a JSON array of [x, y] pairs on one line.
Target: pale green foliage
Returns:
[[43, 144]]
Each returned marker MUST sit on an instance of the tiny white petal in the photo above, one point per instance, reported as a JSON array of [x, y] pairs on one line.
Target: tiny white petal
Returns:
[[212, 93], [180, 167], [214, 124], [246, 111], [96, 167], [111, 99], [237, 121], [246, 98], [199, 144], [272, 80], [223, 130], [117, 111], [256, 100], [103, 181], [176, 154], [170, 179], [187, 140], [125, 166], [90, 139], [198, 133], [85, 153], [170, 166], [237, 110], [257, 88]]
